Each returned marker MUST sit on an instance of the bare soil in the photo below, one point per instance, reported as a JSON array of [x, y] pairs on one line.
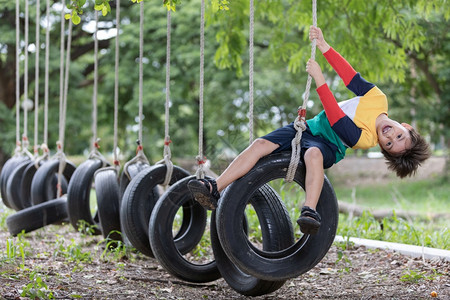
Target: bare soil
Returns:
[[344, 273]]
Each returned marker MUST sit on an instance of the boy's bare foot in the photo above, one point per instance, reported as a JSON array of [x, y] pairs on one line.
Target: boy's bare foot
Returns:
[[309, 220], [205, 192]]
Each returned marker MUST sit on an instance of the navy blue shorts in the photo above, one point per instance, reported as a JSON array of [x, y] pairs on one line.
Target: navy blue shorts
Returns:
[[283, 136]]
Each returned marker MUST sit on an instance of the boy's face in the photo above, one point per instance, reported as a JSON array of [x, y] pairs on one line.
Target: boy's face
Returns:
[[394, 137]]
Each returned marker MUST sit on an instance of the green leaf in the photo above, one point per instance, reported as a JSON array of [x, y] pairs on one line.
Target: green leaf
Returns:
[[76, 19], [67, 16]]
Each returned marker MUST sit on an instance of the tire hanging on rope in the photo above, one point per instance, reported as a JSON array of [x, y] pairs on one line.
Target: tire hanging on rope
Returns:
[[140, 193], [168, 250], [277, 233], [21, 152], [107, 187], [290, 262], [43, 187], [308, 250], [46, 182], [79, 190], [13, 187]]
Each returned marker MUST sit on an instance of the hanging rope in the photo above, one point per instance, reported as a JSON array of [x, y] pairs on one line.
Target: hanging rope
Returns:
[[44, 146], [140, 156], [60, 143], [201, 160], [250, 70], [95, 140], [18, 143], [116, 90], [36, 81], [95, 88], [61, 74], [300, 121], [167, 153], [25, 141], [141, 67]]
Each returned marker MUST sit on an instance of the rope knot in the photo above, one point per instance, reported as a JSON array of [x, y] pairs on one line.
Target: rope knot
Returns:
[[302, 113], [167, 142], [44, 148], [201, 161]]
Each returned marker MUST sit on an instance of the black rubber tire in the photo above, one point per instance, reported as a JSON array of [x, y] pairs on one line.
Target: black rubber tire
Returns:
[[288, 263], [280, 236], [25, 183], [108, 203], [7, 168], [166, 248], [38, 216], [277, 231], [13, 190], [78, 195], [132, 170], [138, 201], [44, 183]]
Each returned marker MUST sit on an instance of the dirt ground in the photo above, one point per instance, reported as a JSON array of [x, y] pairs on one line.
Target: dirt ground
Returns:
[[344, 273]]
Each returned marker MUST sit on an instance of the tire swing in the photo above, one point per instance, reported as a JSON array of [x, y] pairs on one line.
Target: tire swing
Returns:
[[277, 233], [53, 211], [169, 249], [30, 170], [106, 179], [13, 186], [140, 198], [52, 178], [309, 249], [21, 155], [275, 223], [79, 190]]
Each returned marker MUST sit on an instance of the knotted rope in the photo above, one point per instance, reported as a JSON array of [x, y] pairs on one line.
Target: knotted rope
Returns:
[[18, 143], [25, 141], [140, 156], [201, 160], [36, 81], [167, 153], [44, 146], [95, 140], [116, 90], [63, 98], [250, 71], [300, 121]]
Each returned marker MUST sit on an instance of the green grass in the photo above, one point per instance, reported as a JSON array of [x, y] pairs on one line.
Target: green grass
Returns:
[[425, 196]]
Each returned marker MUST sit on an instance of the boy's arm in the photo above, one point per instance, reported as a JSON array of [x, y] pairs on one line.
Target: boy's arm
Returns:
[[352, 80], [339, 121]]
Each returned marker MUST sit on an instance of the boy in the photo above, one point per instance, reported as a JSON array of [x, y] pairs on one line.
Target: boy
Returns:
[[359, 123]]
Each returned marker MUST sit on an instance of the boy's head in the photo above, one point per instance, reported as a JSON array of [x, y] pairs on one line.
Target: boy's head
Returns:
[[403, 147]]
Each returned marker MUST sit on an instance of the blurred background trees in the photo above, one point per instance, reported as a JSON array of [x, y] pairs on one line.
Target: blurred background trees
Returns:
[[403, 46]]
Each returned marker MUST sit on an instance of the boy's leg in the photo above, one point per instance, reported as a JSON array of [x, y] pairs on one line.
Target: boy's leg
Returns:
[[314, 176], [206, 192], [309, 220], [243, 163]]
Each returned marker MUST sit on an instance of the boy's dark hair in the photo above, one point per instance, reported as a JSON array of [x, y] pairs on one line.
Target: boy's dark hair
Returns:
[[406, 163]]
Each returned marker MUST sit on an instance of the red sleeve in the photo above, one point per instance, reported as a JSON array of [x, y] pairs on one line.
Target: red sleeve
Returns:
[[332, 110], [340, 65]]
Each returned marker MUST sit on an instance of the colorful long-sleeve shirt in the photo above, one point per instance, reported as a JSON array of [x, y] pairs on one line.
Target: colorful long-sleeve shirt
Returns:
[[350, 123]]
